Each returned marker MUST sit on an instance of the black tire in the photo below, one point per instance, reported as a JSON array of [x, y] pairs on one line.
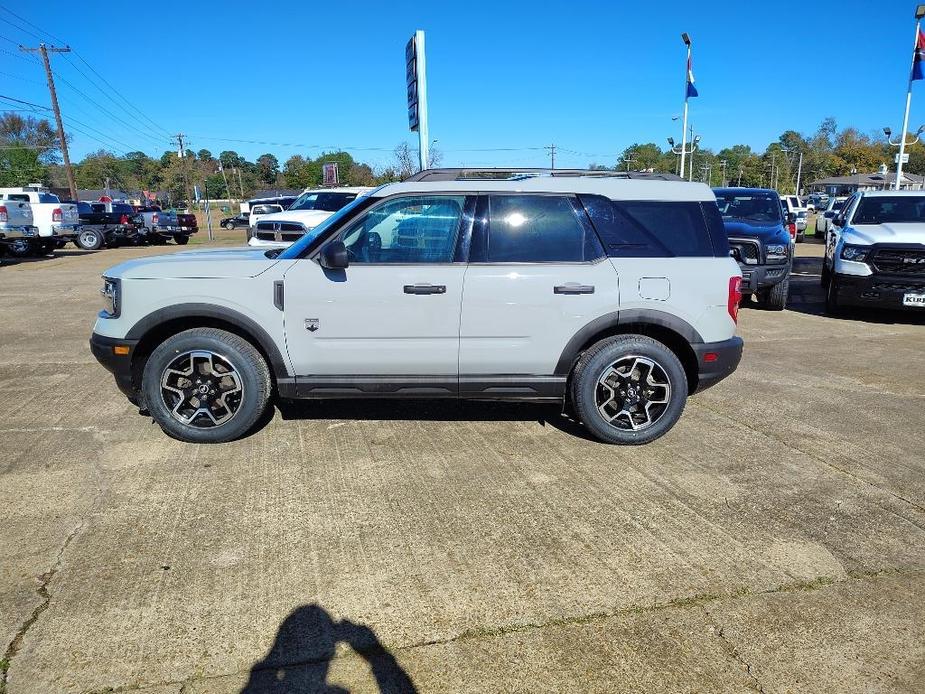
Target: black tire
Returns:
[[775, 299], [89, 240], [832, 307], [825, 276], [801, 236], [22, 248], [586, 390], [181, 240], [45, 248], [228, 349]]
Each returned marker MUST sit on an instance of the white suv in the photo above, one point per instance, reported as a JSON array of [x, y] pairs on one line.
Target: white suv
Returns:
[[617, 295]]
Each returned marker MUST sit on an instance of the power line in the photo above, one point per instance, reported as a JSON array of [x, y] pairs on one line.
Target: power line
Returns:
[[25, 31], [26, 21]]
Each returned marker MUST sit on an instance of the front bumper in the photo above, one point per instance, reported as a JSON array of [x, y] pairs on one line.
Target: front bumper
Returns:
[[877, 291], [261, 243], [120, 365], [755, 277], [716, 360]]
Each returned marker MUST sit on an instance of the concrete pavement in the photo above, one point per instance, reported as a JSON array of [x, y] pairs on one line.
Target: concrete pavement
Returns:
[[774, 541]]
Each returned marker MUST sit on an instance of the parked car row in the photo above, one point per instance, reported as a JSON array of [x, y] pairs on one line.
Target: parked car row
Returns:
[[34, 222]]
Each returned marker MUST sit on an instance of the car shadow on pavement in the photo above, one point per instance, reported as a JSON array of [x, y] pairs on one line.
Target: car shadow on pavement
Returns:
[[305, 645], [448, 410], [808, 296], [13, 260]]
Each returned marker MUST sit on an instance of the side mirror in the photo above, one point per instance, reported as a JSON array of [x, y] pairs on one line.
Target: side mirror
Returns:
[[334, 256]]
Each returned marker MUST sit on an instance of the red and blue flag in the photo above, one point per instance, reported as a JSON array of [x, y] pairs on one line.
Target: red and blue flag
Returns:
[[918, 60]]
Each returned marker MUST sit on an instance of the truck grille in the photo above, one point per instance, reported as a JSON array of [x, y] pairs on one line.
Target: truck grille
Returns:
[[900, 261], [745, 251], [280, 236], [281, 226]]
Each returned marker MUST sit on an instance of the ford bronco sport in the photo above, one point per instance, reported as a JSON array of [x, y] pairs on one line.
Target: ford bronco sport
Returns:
[[617, 295]]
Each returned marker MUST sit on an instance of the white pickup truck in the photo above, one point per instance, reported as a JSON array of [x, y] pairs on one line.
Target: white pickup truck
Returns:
[[57, 222], [16, 227]]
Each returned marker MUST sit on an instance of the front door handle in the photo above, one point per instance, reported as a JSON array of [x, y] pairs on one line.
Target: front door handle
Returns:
[[573, 288], [425, 289]]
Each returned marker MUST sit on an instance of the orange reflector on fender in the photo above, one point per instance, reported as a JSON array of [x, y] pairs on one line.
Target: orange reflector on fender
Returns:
[[121, 350]]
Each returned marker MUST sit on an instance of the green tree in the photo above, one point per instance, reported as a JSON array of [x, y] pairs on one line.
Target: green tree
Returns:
[[27, 148], [267, 168], [641, 157]]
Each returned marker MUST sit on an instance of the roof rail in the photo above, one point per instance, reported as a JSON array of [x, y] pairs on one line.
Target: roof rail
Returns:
[[517, 173]]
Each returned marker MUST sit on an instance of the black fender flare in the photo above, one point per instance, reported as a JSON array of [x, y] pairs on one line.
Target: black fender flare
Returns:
[[170, 313], [617, 319]]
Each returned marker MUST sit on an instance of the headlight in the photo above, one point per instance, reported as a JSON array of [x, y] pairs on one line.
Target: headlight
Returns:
[[856, 253], [111, 293], [778, 252]]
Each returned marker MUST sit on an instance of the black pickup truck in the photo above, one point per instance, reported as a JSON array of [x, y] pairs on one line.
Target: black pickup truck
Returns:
[[105, 224]]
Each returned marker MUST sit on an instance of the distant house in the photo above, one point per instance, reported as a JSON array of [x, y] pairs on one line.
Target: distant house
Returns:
[[879, 180]]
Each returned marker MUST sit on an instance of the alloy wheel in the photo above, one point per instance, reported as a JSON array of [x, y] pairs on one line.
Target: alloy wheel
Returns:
[[633, 393], [202, 389]]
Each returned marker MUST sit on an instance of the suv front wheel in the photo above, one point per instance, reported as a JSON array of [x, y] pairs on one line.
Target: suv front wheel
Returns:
[[206, 385], [629, 389]]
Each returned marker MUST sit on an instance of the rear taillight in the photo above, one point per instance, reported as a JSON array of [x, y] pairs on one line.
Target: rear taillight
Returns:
[[792, 228], [123, 219], [56, 215], [735, 295], [154, 219], [4, 214]]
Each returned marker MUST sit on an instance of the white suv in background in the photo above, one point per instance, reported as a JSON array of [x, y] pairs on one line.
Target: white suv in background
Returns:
[[311, 208], [617, 295]]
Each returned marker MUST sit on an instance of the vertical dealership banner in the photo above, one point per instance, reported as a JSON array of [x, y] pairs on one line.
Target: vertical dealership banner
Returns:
[[416, 85], [329, 173]]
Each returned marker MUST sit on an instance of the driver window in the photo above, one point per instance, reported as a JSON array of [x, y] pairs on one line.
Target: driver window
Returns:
[[418, 229]]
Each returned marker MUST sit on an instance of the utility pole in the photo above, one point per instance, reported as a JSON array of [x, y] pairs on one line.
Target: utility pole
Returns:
[[181, 153], [552, 156], [799, 172], [240, 182], [723, 163], [45, 50], [224, 178]]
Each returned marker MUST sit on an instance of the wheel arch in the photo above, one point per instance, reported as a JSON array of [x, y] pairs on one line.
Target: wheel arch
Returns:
[[156, 327], [675, 333]]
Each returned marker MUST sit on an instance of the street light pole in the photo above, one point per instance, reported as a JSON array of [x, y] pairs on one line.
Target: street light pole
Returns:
[[919, 13]]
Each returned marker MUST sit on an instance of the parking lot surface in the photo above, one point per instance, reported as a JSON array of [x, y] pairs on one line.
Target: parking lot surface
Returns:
[[774, 540]]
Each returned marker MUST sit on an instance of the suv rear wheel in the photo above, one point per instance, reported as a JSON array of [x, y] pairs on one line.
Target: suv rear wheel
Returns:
[[206, 385], [629, 389]]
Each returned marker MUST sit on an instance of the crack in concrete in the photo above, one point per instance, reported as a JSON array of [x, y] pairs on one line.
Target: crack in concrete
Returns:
[[699, 600], [44, 580], [734, 653]]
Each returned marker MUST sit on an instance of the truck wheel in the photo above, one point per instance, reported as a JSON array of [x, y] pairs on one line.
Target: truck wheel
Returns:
[[181, 240], [89, 240], [628, 389], [21, 248], [775, 298], [206, 385], [832, 306]]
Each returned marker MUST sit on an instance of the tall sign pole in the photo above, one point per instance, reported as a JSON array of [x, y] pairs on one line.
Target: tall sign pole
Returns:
[[687, 42], [45, 50], [416, 81], [919, 13]]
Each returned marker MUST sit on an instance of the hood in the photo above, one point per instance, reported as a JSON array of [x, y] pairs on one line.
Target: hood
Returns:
[[867, 234], [310, 218], [769, 233], [224, 263]]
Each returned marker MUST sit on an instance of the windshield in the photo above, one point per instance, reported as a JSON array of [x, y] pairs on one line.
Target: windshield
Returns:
[[752, 207], [327, 202], [308, 239], [890, 210]]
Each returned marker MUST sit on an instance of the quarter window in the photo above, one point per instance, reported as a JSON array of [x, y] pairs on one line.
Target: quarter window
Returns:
[[538, 229], [419, 229]]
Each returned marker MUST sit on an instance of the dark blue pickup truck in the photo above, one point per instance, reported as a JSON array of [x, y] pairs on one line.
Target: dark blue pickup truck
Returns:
[[759, 241]]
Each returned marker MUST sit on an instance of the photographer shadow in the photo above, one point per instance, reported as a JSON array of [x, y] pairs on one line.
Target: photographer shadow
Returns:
[[305, 645]]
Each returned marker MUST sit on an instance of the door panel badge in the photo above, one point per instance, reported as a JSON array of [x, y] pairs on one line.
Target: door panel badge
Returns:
[[311, 324]]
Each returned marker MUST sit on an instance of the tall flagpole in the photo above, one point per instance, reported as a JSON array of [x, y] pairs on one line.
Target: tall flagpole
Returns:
[[686, 40], [902, 139]]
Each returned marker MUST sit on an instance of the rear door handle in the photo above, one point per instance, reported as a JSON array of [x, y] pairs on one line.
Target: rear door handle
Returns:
[[573, 288], [425, 289]]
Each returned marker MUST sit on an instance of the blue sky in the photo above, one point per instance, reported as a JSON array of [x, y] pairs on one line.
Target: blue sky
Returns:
[[591, 77]]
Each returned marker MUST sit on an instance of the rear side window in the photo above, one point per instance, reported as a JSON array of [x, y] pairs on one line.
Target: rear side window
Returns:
[[538, 229], [647, 228]]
